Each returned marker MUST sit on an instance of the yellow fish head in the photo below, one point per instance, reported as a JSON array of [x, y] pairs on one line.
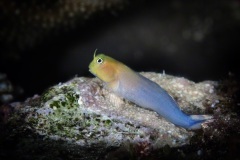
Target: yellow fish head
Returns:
[[103, 67]]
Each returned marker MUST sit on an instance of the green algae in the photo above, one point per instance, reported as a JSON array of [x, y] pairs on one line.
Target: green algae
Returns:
[[61, 115], [68, 120]]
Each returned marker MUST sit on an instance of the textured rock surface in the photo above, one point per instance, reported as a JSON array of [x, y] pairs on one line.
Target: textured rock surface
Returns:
[[80, 119]]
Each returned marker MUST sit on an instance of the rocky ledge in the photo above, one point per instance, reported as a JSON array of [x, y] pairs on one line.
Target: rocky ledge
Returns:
[[80, 119]]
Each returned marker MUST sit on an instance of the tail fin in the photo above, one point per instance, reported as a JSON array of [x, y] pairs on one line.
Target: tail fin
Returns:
[[199, 119]]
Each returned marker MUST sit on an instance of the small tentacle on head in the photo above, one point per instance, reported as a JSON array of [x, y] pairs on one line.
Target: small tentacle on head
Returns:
[[94, 55]]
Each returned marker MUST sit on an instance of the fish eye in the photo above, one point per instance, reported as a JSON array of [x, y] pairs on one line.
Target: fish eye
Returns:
[[99, 60]]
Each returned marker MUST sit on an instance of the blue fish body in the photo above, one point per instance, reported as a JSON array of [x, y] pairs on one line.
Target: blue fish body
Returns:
[[150, 95]]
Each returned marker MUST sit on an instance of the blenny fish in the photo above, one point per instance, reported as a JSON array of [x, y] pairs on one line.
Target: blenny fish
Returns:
[[140, 90]]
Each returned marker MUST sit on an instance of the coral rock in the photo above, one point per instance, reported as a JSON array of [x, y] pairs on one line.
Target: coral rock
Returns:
[[81, 119]]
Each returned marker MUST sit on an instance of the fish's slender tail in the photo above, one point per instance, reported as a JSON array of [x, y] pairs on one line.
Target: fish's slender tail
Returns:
[[199, 120]]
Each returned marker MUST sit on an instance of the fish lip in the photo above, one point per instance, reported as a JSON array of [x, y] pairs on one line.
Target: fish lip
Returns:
[[91, 72]]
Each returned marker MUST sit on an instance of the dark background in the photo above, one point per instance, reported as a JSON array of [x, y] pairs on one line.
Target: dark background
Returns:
[[198, 40]]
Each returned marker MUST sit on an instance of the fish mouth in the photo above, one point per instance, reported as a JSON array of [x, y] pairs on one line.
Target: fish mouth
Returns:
[[92, 72]]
